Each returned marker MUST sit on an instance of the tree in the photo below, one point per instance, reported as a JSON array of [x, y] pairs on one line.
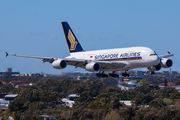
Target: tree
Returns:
[[137, 101], [85, 98], [143, 99], [127, 112], [143, 83], [1, 84], [98, 105], [104, 97], [177, 82], [109, 81], [113, 115], [169, 92], [154, 113], [114, 104], [6, 89], [158, 102]]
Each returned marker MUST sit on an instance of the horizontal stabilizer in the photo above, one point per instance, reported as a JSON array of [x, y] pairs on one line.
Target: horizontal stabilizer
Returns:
[[6, 54]]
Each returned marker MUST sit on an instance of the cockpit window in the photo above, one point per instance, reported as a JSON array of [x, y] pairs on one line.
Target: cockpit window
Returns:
[[153, 54]]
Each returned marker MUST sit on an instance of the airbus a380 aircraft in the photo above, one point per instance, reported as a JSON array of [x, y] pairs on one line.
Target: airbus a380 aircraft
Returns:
[[121, 59]]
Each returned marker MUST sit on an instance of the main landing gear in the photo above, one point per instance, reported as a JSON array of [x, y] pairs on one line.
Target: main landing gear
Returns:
[[101, 75], [114, 75], [106, 76], [125, 74]]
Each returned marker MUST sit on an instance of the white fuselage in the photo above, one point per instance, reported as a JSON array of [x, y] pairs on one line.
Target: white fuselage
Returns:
[[134, 57]]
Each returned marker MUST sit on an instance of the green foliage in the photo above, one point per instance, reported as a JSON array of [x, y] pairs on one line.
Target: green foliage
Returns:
[[6, 113], [156, 87], [126, 96], [143, 99], [6, 89], [1, 84], [113, 115], [96, 101], [167, 101], [169, 92], [177, 102], [104, 97], [153, 114], [143, 89], [109, 81], [99, 114], [177, 82], [98, 105], [158, 102], [115, 104], [143, 83], [28, 96], [127, 112], [85, 98]]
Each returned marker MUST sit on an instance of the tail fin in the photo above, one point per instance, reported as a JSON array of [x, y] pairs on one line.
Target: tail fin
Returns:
[[72, 42]]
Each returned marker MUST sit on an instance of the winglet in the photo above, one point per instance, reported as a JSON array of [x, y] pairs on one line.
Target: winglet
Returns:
[[6, 54]]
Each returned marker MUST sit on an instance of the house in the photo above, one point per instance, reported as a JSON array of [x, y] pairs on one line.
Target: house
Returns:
[[18, 83], [70, 101], [3, 82], [168, 84]]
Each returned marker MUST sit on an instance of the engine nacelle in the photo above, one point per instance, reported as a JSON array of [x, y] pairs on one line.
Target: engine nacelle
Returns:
[[92, 67], [166, 63], [59, 64], [154, 68]]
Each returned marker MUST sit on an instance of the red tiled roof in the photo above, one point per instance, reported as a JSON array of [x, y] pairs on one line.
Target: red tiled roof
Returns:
[[169, 84], [3, 82]]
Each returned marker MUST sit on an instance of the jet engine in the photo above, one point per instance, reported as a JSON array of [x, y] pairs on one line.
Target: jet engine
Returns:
[[92, 67], [154, 68], [59, 64], [166, 63]]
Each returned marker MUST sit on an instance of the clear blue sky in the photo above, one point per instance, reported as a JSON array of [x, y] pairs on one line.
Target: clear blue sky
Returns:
[[34, 28]]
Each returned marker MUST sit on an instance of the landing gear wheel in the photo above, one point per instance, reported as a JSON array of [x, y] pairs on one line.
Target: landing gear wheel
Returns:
[[125, 74], [152, 72], [101, 75], [113, 75]]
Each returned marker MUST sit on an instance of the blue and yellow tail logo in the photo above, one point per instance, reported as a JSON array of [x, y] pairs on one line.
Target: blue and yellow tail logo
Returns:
[[72, 42]]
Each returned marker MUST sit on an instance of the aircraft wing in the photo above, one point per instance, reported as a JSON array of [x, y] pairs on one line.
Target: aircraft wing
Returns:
[[104, 64], [76, 62], [110, 64], [165, 56], [45, 59]]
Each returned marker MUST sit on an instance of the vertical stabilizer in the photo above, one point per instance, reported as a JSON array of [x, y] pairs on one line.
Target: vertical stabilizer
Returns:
[[72, 42]]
